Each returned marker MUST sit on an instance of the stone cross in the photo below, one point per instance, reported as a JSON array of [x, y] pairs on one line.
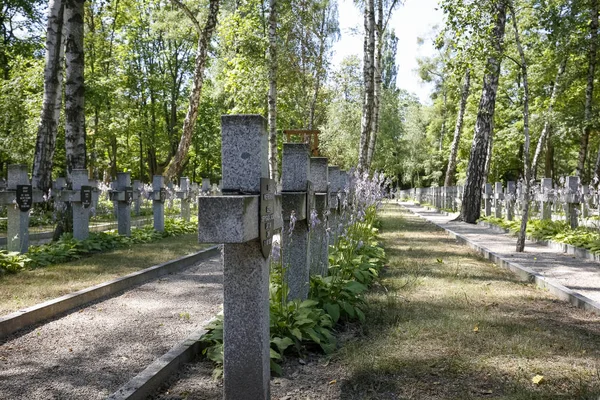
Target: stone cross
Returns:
[[572, 201], [81, 201], [19, 198], [95, 193], [295, 171], [159, 195], [123, 195], [344, 186], [487, 196], [498, 197], [545, 198], [333, 173], [206, 185], [319, 247], [585, 200], [233, 219], [510, 196], [184, 195], [137, 204]]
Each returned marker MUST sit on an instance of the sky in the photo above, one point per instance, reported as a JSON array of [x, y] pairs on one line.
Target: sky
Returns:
[[414, 19]]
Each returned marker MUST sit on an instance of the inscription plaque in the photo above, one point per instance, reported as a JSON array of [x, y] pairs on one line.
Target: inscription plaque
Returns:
[[128, 194], [24, 197], [86, 196], [310, 201], [266, 215]]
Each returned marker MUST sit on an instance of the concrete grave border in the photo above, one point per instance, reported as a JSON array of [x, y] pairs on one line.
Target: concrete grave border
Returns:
[[524, 273], [26, 317]]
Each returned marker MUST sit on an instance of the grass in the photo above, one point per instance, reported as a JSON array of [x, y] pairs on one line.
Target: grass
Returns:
[[30, 287], [447, 324]]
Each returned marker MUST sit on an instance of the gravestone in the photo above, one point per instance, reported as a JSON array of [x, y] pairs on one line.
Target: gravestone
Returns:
[[19, 197], [545, 198], [572, 199], [585, 201], [95, 194], [487, 197], [81, 201], [123, 196], [498, 197], [333, 173], [233, 219], [510, 196], [319, 247], [159, 195], [137, 203], [295, 171], [206, 185], [184, 195]]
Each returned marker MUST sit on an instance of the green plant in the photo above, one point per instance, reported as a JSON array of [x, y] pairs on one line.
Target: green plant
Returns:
[[12, 261]]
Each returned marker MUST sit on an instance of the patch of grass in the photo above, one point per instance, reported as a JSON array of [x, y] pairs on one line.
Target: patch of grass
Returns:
[[447, 324], [34, 286]]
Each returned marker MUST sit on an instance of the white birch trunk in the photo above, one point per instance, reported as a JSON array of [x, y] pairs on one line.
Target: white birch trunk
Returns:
[[273, 171], [450, 171], [52, 103], [74, 87], [368, 79], [377, 65], [527, 170], [177, 163]]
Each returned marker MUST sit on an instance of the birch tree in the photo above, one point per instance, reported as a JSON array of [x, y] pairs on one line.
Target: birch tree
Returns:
[[368, 81], [526, 161], [75, 136], [52, 103], [177, 163], [272, 101], [589, 91], [451, 170], [471, 203]]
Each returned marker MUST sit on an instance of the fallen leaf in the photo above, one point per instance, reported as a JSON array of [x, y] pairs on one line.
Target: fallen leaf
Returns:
[[333, 382], [537, 379], [476, 329]]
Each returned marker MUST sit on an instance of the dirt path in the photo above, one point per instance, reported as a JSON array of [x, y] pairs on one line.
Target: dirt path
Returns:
[[443, 324], [91, 352]]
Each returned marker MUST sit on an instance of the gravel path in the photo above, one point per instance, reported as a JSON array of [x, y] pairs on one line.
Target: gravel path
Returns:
[[577, 274], [91, 352]]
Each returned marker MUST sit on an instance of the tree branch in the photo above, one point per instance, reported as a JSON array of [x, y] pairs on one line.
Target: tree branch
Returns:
[[189, 13]]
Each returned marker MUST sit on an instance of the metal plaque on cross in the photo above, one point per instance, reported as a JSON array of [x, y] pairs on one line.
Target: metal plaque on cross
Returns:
[[267, 215], [86, 196], [24, 197]]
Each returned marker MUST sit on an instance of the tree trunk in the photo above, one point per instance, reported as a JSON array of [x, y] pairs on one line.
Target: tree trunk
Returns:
[[488, 156], [273, 172], [177, 163], [527, 170], [377, 65], [549, 164], [53, 77], [471, 203], [74, 88], [589, 91], [368, 79], [549, 118], [450, 171]]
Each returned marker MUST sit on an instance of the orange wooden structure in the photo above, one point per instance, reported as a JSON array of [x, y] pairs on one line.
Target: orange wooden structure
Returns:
[[306, 136]]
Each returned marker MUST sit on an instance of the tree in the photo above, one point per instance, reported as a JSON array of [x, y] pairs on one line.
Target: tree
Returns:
[[273, 171], [369, 83], [75, 143], [471, 203], [52, 103], [450, 171], [204, 36], [589, 90], [527, 167]]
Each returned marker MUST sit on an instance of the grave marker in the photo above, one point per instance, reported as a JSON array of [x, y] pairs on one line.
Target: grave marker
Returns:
[[319, 253], [233, 219]]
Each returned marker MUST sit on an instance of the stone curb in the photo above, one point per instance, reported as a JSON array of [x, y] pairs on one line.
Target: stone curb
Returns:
[[524, 273], [52, 308], [150, 379], [569, 249]]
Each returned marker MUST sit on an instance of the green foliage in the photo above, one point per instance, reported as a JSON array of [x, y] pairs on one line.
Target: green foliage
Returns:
[[67, 248], [12, 262], [355, 263]]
